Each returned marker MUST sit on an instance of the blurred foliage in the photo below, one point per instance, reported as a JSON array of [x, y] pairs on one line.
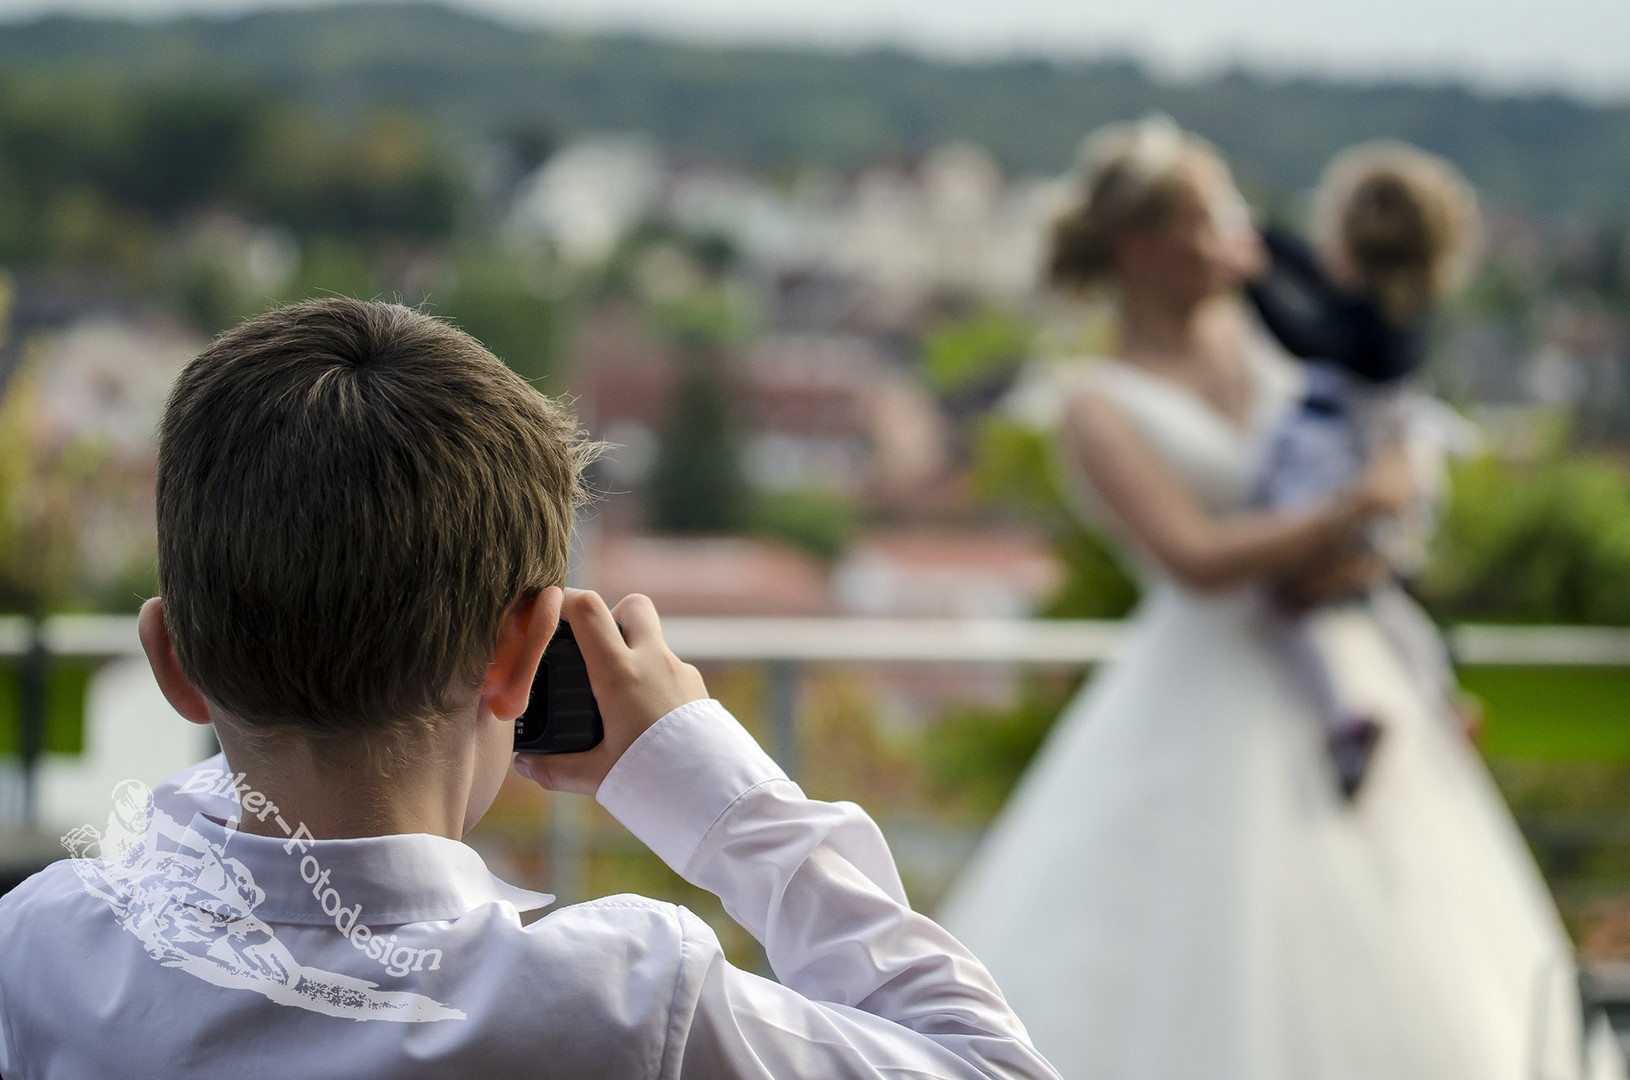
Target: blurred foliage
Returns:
[[384, 177], [844, 753], [1014, 470], [1553, 714], [1569, 810], [682, 272], [773, 105], [1541, 541], [87, 166], [706, 320], [1500, 290], [981, 349], [818, 521], [66, 683], [124, 592], [974, 756], [1096, 584], [43, 489], [332, 266], [212, 197], [493, 302], [697, 484]]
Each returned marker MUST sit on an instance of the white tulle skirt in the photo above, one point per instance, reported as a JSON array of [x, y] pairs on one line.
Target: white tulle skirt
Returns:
[[1176, 890]]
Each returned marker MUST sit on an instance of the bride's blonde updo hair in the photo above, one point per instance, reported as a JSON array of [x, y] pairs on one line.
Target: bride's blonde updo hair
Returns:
[[1131, 177], [1402, 223]]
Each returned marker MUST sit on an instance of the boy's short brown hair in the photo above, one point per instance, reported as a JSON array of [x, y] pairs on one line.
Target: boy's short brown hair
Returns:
[[350, 494]]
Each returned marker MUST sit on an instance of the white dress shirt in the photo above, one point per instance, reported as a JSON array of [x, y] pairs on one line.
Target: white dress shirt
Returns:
[[186, 948]]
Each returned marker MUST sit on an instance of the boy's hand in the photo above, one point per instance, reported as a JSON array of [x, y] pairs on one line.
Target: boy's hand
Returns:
[[636, 680]]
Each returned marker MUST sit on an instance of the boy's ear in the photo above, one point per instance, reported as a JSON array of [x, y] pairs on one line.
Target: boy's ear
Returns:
[[522, 637], [182, 695]]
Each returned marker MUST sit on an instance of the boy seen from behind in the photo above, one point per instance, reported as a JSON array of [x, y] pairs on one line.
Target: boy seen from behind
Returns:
[[363, 526]]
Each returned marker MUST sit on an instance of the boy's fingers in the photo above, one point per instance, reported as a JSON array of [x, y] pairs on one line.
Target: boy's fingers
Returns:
[[638, 618], [592, 626]]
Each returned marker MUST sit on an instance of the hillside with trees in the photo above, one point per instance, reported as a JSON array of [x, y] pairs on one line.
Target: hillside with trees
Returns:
[[783, 107]]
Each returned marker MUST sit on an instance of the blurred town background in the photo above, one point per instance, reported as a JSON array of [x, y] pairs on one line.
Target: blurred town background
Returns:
[[791, 287]]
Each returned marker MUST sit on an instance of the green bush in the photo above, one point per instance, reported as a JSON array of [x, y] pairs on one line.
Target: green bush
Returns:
[[1541, 542], [818, 522], [492, 301], [1013, 469], [975, 756], [991, 344]]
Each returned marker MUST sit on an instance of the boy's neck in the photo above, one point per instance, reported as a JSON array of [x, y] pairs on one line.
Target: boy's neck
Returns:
[[335, 794]]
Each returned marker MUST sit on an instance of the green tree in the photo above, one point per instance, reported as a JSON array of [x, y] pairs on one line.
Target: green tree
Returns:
[[817, 521], [1013, 471], [985, 347], [42, 495], [697, 484], [1543, 541], [494, 303]]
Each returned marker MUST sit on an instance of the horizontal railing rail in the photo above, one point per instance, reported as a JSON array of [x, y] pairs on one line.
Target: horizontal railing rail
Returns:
[[786, 647], [1045, 642]]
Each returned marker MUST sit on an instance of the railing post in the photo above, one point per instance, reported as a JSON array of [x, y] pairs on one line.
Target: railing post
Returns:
[[566, 847], [783, 707], [31, 719]]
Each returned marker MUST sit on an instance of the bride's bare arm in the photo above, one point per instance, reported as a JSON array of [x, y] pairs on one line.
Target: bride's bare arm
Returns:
[[1202, 550]]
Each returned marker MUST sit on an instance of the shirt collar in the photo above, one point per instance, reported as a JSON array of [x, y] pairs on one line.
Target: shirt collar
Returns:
[[400, 878]]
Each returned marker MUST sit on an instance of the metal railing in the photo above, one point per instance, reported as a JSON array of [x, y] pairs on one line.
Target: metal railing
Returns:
[[1055, 642], [786, 646]]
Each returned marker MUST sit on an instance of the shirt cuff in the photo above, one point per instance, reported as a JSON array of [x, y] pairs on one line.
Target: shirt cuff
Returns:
[[681, 775]]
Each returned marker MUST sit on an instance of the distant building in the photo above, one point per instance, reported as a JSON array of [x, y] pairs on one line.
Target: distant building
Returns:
[[101, 386], [939, 572], [771, 226], [830, 412], [709, 575], [953, 222], [826, 412], [586, 197], [949, 221], [930, 572], [104, 380]]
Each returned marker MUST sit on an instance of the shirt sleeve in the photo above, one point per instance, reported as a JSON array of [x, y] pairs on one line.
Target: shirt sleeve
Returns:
[[868, 986]]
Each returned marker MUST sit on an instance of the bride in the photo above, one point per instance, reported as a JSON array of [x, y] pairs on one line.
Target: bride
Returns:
[[1177, 888]]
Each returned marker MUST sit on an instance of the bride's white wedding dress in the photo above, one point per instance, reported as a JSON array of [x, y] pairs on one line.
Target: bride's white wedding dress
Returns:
[[1176, 890]]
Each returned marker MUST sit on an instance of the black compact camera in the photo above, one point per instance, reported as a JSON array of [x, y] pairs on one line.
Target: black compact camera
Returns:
[[562, 716]]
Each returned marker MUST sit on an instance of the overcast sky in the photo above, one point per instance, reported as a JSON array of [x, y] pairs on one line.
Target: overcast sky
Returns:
[[1579, 45]]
